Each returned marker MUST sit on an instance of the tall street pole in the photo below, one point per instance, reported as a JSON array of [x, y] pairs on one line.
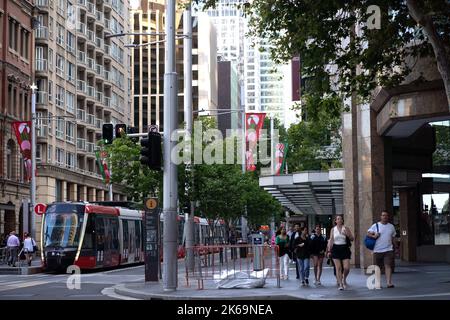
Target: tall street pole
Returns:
[[33, 160], [244, 147], [187, 52], [170, 192]]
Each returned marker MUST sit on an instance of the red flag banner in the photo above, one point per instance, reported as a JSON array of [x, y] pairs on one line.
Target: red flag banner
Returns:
[[102, 156], [280, 157], [253, 125], [23, 135]]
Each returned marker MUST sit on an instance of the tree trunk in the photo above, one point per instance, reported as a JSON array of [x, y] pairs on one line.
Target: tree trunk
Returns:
[[439, 47]]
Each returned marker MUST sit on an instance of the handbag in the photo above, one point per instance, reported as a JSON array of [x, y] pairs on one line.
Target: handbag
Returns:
[[370, 242], [35, 247]]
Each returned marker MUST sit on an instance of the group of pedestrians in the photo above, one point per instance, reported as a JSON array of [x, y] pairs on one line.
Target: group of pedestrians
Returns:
[[15, 249], [300, 247]]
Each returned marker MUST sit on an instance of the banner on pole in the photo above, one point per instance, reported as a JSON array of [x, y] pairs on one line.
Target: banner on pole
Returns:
[[101, 156], [253, 125], [281, 150], [22, 130]]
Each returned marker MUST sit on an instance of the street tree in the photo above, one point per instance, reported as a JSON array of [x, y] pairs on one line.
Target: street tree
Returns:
[[323, 33]]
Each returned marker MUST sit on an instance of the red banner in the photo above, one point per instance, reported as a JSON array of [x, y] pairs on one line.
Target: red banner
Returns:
[[280, 157], [23, 135], [253, 125]]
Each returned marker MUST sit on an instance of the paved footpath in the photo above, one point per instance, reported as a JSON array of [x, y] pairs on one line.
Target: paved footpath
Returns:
[[412, 281]]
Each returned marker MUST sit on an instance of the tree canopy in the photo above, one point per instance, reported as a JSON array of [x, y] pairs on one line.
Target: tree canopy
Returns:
[[341, 40]]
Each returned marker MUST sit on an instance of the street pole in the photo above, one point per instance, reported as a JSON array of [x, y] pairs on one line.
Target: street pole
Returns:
[[33, 160], [187, 52], [170, 192], [272, 146], [244, 146]]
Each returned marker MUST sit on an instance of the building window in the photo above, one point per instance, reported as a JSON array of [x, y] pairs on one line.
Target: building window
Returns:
[[49, 153], [60, 35], [50, 90], [39, 153], [50, 59], [70, 160], [70, 102], [61, 7], [60, 96], [10, 160], [60, 61], [59, 156], [71, 72], [70, 129], [13, 34], [50, 123], [71, 42], [59, 131]]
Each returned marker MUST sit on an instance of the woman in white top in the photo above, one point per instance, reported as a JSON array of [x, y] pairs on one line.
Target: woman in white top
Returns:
[[28, 247], [339, 250]]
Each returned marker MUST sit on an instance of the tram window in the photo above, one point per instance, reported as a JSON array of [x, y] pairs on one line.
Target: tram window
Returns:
[[100, 238], [137, 229], [115, 234], [125, 234], [88, 241]]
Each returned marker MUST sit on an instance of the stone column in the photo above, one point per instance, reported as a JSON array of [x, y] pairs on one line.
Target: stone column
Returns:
[[350, 162], [91, 194], [409, 213], [73, 191], [374, 177], [100, 195], [64, 190], [83, 196]]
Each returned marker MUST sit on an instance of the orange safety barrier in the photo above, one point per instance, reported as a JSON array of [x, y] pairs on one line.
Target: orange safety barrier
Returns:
[[213, 262]]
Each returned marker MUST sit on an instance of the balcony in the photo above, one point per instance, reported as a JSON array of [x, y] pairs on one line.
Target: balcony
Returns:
[[41, 65], [42, 132], [90, 119], [99, 16], [90, 147], [82, 3], [99, 96], [41, 97], [107, 3], [99, 70], [41, 33], [91, 8], [81, 86], [91, 64], [107, 24], [81, 144], [81, 115], [99, 43], [44, 4], [98, 123], [81, 58], [81, 29], [107, 102], [90, 91], [107, 48], [107, 75]]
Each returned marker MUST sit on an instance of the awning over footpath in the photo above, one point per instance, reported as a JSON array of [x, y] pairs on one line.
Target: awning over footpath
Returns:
[[308, 192]]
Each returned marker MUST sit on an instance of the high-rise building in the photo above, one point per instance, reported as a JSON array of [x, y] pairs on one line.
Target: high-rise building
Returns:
[[83, 82], [16, 70], [148, 62]]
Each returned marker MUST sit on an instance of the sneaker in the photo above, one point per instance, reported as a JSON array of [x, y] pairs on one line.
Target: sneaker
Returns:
[[318, 283], [341, 288], [307, 282], [303, 283]]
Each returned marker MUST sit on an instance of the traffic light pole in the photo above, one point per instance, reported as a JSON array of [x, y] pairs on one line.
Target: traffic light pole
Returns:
[[187, 51], [170, 183]]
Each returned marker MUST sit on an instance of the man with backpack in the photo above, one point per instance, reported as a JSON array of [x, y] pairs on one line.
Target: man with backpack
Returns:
[[383, 252]]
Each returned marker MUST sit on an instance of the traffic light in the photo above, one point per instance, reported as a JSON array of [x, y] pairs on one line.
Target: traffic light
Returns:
[[131, 130], [151, 151], [121, 130], [107, 133]]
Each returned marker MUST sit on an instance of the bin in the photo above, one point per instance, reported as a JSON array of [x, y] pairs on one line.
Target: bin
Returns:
[[258, 251]]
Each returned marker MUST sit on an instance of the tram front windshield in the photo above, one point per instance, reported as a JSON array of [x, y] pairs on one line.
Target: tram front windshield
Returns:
[[62, 229]]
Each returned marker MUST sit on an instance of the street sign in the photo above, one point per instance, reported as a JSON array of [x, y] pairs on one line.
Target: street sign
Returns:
[[153, 128], [151, 225], [40, 208]]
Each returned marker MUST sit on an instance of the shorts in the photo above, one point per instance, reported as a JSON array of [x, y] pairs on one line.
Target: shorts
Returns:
[[382, 259], [340, 251]]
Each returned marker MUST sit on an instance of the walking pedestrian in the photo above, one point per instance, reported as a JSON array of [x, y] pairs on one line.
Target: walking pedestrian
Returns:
[[28, 246], [318, 248], [302, 245], [339, 250], [383, 252], [13, 245], [282, 241], [292, 247]]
